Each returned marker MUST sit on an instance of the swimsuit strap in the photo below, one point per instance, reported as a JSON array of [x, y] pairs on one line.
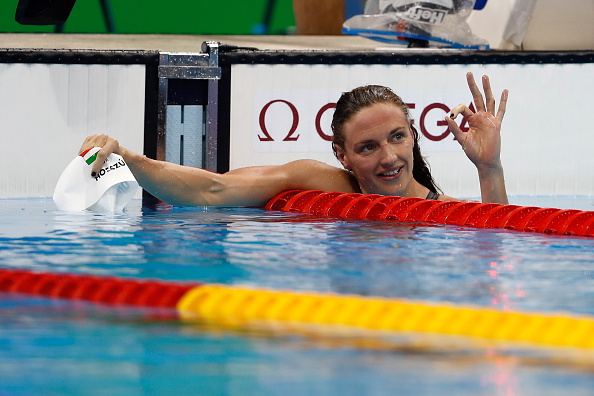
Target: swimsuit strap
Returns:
[[432, 195]]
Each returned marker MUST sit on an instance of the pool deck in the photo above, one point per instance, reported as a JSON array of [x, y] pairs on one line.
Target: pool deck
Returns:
[[185, 43]]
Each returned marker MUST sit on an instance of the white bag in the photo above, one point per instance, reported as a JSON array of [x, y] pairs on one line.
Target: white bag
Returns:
[[109, 191], [440, 23]]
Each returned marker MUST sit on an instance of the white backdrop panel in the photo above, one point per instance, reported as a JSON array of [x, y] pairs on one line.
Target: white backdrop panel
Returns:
[[48, 109], [547, 135]]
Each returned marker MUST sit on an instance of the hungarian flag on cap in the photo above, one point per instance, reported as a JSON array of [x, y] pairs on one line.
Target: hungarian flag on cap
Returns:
[[91, 158]]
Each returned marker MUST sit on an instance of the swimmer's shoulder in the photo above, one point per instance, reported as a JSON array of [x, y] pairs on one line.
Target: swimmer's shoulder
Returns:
[[443, 197], [309, 174]]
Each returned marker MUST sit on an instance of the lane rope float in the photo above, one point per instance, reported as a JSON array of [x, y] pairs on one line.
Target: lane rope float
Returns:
[[571, 222], [244, 307]]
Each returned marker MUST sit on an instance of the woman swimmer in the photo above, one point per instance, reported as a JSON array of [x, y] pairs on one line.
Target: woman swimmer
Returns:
[[374, 140]]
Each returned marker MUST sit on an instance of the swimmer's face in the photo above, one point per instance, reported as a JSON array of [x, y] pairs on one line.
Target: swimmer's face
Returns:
[[378, 150]]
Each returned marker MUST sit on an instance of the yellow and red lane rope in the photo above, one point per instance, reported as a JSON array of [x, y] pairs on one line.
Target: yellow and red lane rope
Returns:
[[243, 306]]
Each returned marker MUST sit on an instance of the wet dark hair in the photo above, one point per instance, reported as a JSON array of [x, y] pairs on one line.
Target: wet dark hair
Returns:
[[350, 103]]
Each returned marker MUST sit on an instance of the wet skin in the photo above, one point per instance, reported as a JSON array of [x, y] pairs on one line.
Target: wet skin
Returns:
[[379, 151]]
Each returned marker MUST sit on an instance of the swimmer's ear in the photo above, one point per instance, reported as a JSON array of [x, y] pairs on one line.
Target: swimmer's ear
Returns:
[[341, 157]]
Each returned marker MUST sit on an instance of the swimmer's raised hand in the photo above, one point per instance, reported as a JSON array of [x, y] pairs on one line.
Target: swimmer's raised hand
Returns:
[[482, 142], [108, 145]]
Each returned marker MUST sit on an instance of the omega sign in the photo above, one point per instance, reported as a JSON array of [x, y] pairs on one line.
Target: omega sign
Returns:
[[281, 120]]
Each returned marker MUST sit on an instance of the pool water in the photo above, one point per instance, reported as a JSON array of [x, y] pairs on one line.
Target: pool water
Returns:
[[68, 347]]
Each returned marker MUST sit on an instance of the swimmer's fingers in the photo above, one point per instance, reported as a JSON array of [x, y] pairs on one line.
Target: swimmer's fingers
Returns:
[[502, 105], [477, 97], [108, 145], [461, 109], [456, 131], [89, 143], [453, 126], [490, 100]]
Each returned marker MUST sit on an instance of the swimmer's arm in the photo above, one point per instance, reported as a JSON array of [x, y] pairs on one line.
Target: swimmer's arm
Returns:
[[172, 183], [254, 186], [260, 183], [492, 184]]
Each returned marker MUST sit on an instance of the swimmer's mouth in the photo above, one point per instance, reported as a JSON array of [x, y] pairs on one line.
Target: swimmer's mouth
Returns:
[[390, 173]]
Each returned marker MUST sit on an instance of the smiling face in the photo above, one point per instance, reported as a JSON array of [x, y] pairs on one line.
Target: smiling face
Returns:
[[378, 149]]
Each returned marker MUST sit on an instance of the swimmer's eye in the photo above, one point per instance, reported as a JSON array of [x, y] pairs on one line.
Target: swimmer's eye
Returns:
[[367, 148], [398, 135]]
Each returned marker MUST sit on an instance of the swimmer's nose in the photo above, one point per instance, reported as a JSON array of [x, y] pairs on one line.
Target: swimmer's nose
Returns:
[[388, 155]]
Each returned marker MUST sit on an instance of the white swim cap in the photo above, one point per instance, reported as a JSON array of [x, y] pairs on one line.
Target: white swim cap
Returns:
[[109, 191]]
